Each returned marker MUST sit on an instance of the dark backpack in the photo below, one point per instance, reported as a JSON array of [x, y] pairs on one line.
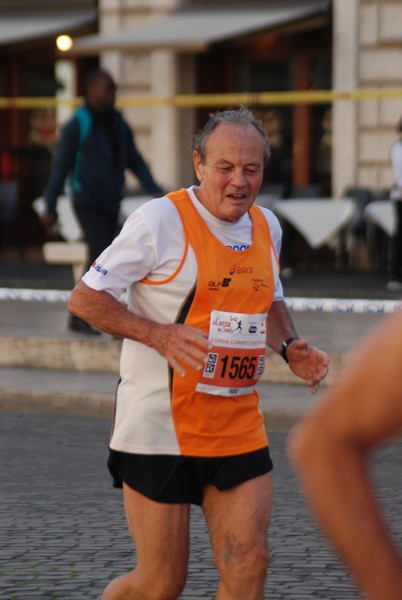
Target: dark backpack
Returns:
[[84, 119]]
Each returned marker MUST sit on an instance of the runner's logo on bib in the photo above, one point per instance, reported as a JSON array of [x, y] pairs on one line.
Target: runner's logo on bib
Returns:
[[237, 359]]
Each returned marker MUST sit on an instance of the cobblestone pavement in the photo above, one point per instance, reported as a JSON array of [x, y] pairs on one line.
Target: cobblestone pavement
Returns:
[[64, 534]]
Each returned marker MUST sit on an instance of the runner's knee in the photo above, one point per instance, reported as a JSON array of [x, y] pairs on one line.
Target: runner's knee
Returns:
[[240, 564]]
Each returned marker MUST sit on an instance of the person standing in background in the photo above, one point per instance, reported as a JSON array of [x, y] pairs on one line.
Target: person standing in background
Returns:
[[395, 283], [96, 147]]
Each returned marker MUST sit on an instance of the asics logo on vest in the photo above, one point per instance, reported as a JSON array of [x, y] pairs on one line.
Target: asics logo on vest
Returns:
[[240, 270]]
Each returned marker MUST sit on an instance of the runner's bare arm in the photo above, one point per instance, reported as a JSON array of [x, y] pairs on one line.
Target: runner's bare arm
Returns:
[[280, 325], [181, 345]]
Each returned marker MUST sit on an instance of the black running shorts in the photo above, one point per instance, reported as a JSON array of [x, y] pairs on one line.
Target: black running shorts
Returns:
[[181, 479]]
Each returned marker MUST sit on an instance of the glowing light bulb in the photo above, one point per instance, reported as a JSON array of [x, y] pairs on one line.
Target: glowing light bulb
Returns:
[[64, 43]]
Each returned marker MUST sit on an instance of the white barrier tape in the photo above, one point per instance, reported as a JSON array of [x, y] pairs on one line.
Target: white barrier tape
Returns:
[[27, 295], [327, 305], [339, 305]]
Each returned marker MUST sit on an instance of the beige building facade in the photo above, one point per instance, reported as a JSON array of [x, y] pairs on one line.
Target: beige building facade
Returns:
[[366, 55], [164, 66]]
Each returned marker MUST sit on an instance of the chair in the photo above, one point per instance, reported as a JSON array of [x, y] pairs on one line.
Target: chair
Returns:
[[306, 191], [382, 194], [361, 196], [271, 192], [379, 240], [274, 189], [376, 240], [9, 211]]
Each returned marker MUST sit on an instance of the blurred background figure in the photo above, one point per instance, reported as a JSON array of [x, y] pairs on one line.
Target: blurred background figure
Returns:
[[96, 147], [330, 448], [395, 283]]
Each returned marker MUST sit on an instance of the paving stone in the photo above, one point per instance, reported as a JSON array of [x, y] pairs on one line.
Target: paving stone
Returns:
[[66, 533]]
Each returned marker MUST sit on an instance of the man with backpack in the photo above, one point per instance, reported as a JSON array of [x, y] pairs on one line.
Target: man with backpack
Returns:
[[96, 146]]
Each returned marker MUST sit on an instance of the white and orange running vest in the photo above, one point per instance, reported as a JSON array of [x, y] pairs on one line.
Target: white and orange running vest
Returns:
[[227, 294]]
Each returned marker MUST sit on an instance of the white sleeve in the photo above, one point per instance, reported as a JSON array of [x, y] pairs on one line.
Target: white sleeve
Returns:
[[276, 237], [396, 159], [276, 231], [145, 245]]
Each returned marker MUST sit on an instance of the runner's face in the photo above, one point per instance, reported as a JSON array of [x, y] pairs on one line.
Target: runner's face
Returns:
[[232, 173]]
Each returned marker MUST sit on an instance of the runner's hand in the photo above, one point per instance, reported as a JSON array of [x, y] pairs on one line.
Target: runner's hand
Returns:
[[181, 345], [308, 363]]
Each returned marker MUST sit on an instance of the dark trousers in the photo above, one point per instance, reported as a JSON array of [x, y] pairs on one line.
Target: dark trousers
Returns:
[[397, 243], [99, 227]]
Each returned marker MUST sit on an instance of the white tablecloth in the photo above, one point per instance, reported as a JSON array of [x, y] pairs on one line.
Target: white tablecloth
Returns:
[[318, 220], [382, 214], [69, 227]]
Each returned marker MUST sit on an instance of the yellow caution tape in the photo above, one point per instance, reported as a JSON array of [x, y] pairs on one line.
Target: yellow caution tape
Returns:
[[209, 100], [42, 102]]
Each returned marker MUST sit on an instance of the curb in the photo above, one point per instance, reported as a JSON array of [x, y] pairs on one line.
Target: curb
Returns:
[[104, 356], [62, 358], [60, 403], [101, 406], [60, 354]]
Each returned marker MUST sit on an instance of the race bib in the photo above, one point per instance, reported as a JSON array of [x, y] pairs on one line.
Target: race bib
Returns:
[[237, 359]]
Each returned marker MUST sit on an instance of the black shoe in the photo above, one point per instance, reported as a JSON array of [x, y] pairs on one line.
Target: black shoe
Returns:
[[80, 326]]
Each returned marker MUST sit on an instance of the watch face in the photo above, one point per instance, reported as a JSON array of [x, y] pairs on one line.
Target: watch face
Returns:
[[284, 347], [282, 350]]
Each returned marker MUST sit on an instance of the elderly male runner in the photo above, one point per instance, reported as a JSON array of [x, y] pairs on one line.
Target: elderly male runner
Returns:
[[187, 426]]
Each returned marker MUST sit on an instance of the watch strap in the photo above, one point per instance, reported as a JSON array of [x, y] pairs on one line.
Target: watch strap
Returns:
[[284, 348]]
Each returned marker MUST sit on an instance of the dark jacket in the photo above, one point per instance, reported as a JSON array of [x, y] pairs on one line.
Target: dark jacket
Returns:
[[96, 160]]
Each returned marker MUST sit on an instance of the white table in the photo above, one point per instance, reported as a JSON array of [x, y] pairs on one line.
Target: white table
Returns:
[[73, 251], [68, 224], [70, 228], [382, 214], [318, 220]]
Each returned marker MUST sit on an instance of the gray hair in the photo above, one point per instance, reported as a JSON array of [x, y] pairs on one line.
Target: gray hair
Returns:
[[242, 116]]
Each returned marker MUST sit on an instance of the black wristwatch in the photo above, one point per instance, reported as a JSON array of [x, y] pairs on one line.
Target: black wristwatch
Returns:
[[284, 348]]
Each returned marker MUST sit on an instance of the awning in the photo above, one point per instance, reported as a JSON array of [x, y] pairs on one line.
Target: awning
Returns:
[[195, 30], [16, 28]]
